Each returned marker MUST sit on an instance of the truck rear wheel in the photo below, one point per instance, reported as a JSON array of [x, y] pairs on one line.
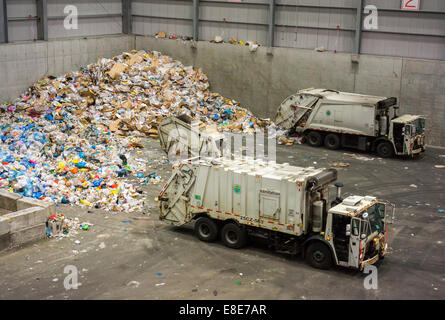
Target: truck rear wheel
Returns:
[[385, 149], [332, 141], [233, 236], [206, 229], [314, 139], [319, 256]]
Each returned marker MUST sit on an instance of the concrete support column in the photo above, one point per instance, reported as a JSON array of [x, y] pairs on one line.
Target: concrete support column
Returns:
[[42, 23], [271, 33], [196, 20], [3, 22], [127, 23], [358, 27]]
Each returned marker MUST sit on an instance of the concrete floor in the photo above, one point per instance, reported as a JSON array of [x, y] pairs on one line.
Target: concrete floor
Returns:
[[145, 259]]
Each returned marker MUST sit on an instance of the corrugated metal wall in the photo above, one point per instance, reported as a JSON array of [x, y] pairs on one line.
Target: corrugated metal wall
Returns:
[[407, 33], [313, 24], [105, 18], [172, 17], [305, 24]]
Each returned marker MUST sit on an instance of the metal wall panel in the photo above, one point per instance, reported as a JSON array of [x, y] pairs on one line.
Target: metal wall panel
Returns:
[[246, 22], [311, 27], [20, 26], [105, 18], [171, 16], [416, 34]]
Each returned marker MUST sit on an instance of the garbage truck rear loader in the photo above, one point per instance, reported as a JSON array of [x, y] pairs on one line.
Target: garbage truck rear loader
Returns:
[[179, 137], [287, 205], [364, 122]]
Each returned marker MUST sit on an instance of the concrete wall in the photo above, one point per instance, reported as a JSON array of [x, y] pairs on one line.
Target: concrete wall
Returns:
[[22, 64], [261, 81]]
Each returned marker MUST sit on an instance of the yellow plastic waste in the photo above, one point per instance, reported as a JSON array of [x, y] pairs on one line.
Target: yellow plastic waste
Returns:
[[61, 165]]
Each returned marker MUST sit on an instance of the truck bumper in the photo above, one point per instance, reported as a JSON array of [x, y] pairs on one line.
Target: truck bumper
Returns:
[[374, 259], [369, 261], [417, 151]]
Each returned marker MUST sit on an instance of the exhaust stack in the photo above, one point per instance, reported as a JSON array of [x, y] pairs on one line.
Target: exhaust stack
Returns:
[[339, 185], [338, 199], [396, 111]]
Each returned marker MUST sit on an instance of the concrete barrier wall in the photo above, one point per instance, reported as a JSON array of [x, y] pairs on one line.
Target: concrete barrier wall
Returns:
[[261, 81], [25, 225], [22, 64]]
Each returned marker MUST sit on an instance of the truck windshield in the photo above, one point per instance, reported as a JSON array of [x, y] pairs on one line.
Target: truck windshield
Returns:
[[418, 126], [376, 216]]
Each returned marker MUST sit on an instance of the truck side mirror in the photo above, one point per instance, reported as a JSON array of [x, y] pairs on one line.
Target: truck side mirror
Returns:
[[348, 230]]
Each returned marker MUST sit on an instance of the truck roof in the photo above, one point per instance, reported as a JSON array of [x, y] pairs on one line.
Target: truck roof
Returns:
[[353, 204], [270, 169], [343, 97], [406, 118]]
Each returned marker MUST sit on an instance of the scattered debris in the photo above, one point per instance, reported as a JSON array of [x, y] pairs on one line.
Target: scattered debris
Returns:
[[339, 164], [353, 155], [133, 284]]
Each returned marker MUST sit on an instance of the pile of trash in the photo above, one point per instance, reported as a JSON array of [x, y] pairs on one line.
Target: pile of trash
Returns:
[[67, 139]]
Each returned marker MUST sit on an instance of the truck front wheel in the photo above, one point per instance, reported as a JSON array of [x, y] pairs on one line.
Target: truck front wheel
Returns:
[[233, 236], [314, 139], [319, 256], [206, 229], [385, 149]]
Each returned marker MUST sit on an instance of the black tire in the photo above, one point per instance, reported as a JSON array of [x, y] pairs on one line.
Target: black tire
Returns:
[[314, 139], [385, 149], [206, 229], [318, 255], [233, 236], [332, 141]]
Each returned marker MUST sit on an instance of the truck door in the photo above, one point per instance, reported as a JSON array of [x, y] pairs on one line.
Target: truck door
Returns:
[[408, 139], [354, 243], [340, 236]]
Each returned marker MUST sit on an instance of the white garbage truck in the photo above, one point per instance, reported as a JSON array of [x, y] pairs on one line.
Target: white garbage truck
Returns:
[[289, 206], [341, 119]]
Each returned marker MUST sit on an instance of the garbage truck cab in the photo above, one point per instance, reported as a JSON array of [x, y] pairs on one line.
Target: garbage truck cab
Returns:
[[356, 229], [407, 133]]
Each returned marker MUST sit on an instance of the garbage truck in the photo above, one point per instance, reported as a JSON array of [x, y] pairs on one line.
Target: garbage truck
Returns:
[[289, 206], [180, 137], [341, 119]]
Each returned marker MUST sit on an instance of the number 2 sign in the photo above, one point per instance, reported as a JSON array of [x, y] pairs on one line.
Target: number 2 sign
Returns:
[[410, 4]]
